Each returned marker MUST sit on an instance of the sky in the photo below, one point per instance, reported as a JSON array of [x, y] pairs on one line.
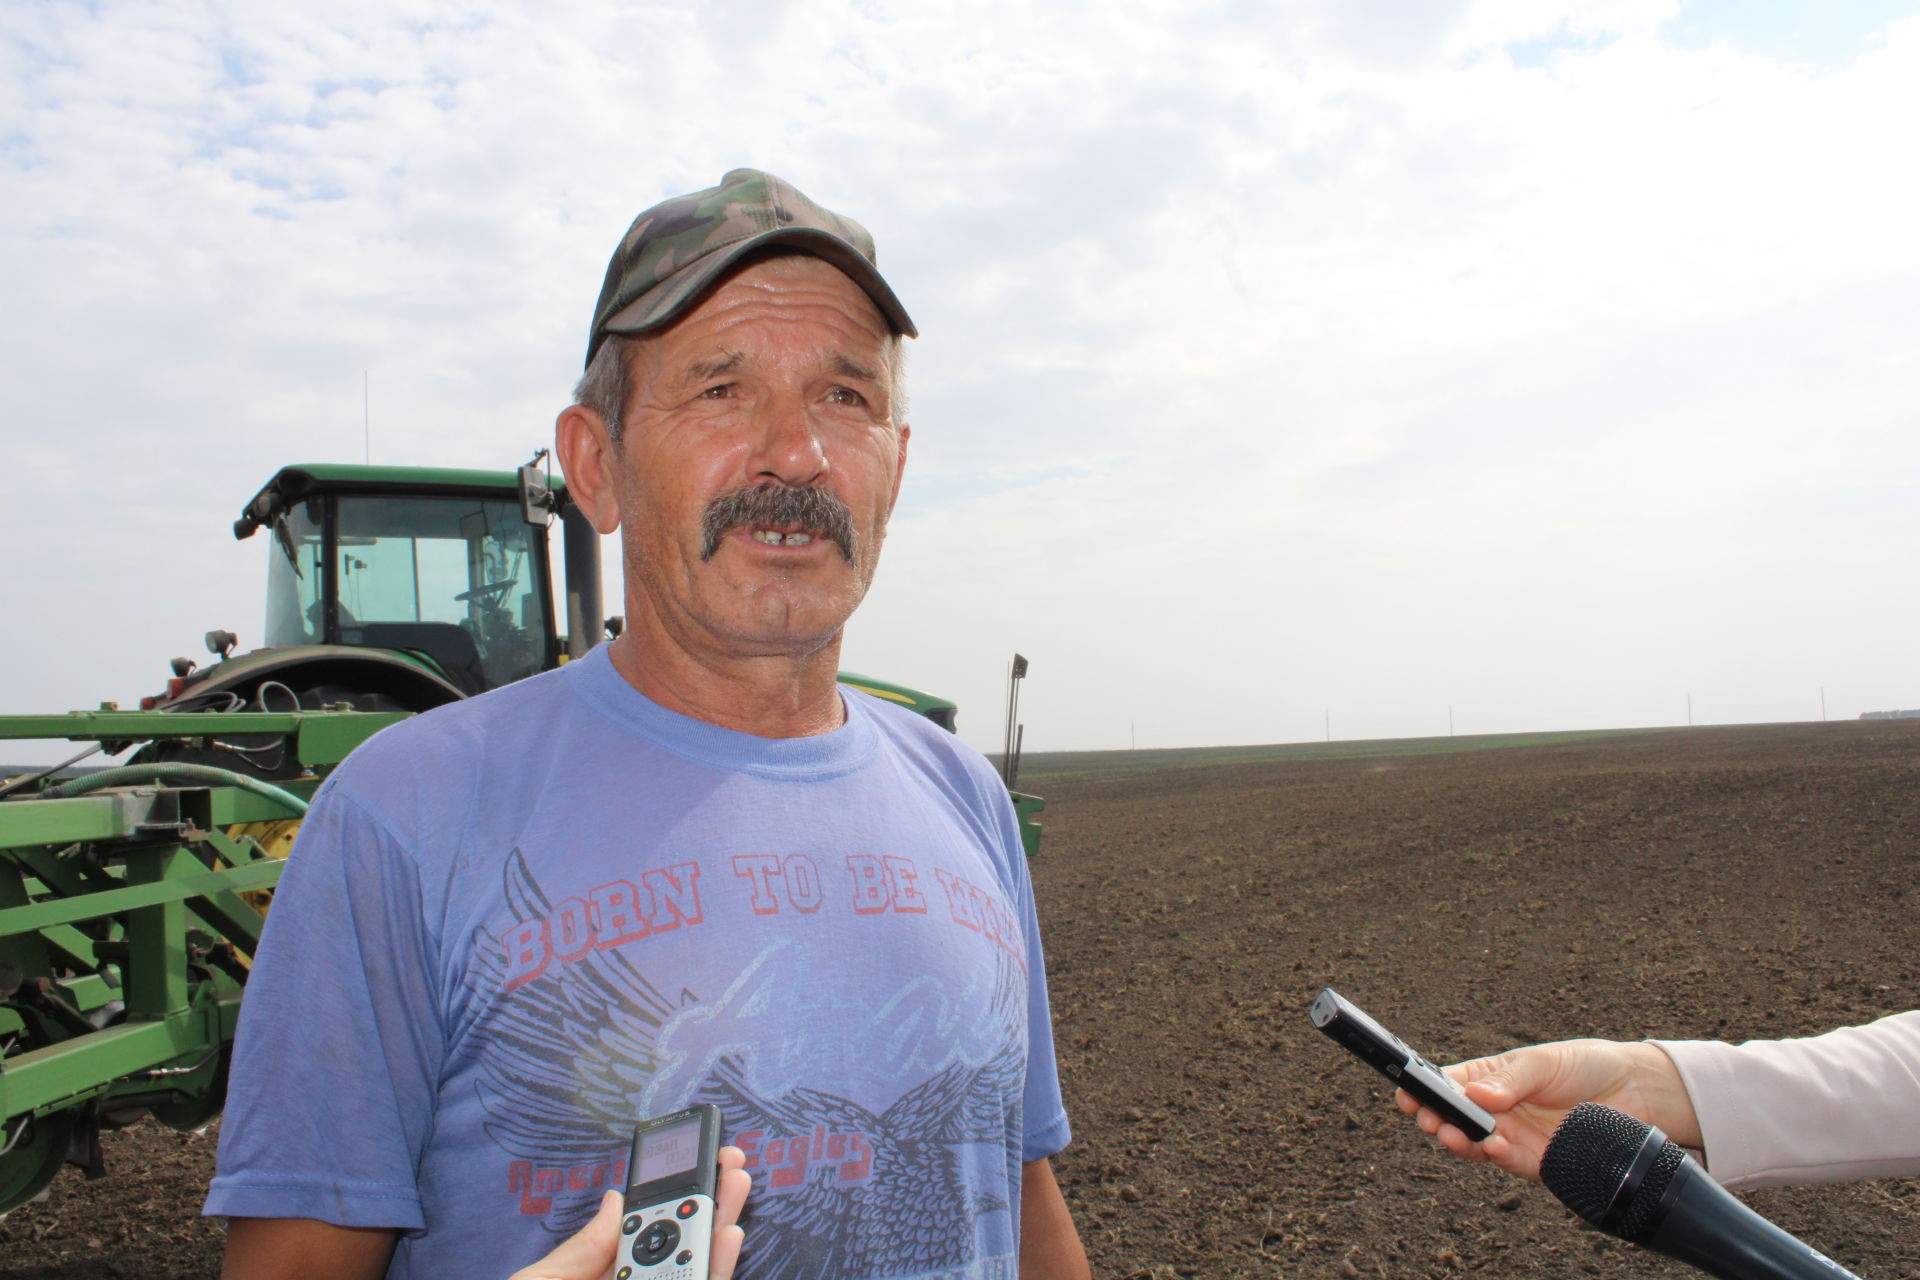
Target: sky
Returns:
[[1349, 368]]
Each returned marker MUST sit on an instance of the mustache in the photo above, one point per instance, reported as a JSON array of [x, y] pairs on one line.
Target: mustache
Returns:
[[815, 511]]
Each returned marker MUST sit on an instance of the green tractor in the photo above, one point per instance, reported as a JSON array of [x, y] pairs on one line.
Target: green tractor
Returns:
[[131, 899]]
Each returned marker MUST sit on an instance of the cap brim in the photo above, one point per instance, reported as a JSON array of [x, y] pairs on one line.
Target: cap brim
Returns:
[[680, 292]]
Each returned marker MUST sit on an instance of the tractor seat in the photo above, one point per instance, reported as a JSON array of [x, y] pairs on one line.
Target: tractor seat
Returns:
[[447, 644]]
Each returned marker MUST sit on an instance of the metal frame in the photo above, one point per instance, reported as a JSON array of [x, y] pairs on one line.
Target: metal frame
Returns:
[[124, 936]]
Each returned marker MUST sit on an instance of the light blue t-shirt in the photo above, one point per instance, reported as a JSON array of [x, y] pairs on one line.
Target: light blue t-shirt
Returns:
[[515, 925]]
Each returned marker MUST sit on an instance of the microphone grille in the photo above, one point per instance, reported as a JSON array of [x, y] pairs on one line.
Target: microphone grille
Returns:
[[1643, 1211], [1588, 1157]]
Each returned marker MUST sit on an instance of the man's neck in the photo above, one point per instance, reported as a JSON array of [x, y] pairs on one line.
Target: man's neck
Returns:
[[773, 696]]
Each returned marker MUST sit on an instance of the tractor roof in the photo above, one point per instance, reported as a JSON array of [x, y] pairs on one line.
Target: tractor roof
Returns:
[[290, 484]]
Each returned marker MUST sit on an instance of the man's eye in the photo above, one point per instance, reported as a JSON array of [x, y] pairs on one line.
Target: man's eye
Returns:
[[846, 395], [720, 392]]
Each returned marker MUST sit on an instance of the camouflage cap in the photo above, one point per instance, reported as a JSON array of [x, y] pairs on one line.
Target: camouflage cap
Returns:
[[674, 251]]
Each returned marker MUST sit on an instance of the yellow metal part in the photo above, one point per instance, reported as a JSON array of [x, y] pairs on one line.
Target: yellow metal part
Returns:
[[275, 839]]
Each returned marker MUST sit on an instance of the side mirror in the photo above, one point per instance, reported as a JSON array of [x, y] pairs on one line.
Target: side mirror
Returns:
[[221, 643], [537, 501]]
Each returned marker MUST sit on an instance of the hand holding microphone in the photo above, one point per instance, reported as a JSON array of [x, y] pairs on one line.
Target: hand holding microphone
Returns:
[[1629, 1180], [1546, 1104]]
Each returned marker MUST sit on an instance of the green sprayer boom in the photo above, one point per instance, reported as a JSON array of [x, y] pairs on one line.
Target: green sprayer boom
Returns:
[[126, 925]]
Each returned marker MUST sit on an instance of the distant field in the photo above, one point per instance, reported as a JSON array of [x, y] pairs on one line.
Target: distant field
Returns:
[[1062, 764], [1095, 764], [1036, 765]]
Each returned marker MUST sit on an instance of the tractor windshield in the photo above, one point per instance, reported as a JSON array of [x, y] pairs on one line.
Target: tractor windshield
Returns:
[[456, 579]]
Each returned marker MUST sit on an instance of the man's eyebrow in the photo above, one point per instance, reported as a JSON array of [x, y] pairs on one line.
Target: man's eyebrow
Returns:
[[714, 366], [848, 368]]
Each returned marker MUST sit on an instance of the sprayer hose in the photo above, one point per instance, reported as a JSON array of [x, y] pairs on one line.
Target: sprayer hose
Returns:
[[128, 775]]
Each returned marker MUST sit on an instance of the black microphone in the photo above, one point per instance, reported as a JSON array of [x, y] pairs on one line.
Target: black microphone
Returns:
[[1631, 1181]]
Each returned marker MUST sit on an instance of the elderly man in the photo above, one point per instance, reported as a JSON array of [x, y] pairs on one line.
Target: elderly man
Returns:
[[687, 868]]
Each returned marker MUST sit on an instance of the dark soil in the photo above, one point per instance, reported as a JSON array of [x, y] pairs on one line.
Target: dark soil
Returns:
[[1741, 882], [1729, 883]]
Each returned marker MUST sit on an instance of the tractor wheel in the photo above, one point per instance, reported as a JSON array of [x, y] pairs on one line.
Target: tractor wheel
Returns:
[[196, 1110], [36, 1147]]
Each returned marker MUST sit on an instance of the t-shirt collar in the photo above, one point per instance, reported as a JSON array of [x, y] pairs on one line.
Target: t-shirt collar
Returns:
[[825, 755]]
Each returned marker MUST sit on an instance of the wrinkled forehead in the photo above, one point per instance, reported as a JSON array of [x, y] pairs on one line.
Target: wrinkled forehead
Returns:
[[783, 297]]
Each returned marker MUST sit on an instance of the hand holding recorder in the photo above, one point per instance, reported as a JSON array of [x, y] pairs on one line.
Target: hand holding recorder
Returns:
[[1530, 1090], [678, 1219], [1350, 1026]]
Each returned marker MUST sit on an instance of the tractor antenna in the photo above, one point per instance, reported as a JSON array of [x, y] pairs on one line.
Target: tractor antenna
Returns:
[[366, 413], [1010, 751]]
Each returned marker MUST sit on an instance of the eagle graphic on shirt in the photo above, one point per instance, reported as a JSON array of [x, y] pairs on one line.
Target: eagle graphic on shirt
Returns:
[[842, 1190]]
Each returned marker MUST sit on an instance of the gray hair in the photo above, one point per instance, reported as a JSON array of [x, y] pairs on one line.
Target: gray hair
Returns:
[[604, 387], [607, 384]]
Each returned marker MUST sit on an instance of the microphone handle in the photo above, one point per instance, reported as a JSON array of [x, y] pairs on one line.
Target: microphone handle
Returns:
[[1706, 1227]]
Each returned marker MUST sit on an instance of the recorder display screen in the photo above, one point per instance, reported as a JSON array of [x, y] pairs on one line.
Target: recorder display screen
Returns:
[[665, 1152]]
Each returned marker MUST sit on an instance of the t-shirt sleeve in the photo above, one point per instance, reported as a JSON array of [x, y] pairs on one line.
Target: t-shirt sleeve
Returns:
[[340, 1036]]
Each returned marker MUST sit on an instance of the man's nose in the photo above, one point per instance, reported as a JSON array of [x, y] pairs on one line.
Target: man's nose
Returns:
[[787, 444]]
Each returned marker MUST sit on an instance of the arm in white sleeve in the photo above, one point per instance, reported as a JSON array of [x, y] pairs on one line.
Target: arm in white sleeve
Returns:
[[1827, 1108]]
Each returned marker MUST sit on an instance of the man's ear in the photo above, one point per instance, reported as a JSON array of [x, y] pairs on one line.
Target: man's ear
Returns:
[[588, 458]]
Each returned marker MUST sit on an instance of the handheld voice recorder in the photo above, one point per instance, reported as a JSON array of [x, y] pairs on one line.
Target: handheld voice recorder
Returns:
[[666, 1228], [1386, 1053]]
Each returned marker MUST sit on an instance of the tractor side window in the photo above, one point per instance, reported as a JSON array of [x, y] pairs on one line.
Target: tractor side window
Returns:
[[295, 570]]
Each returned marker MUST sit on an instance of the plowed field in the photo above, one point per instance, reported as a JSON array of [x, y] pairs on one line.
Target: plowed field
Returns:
[[1740, 882]]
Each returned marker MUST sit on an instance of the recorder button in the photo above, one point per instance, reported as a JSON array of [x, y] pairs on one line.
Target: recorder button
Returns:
[[686, 1256], [655, 1243], [631, 1225], [687, 1209], [624, 1273]]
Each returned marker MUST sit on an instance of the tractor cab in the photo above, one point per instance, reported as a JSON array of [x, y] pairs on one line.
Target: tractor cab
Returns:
[[452, 574], [402, 588]]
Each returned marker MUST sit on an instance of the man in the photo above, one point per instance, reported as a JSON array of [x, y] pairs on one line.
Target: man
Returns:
[[686, 868]]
